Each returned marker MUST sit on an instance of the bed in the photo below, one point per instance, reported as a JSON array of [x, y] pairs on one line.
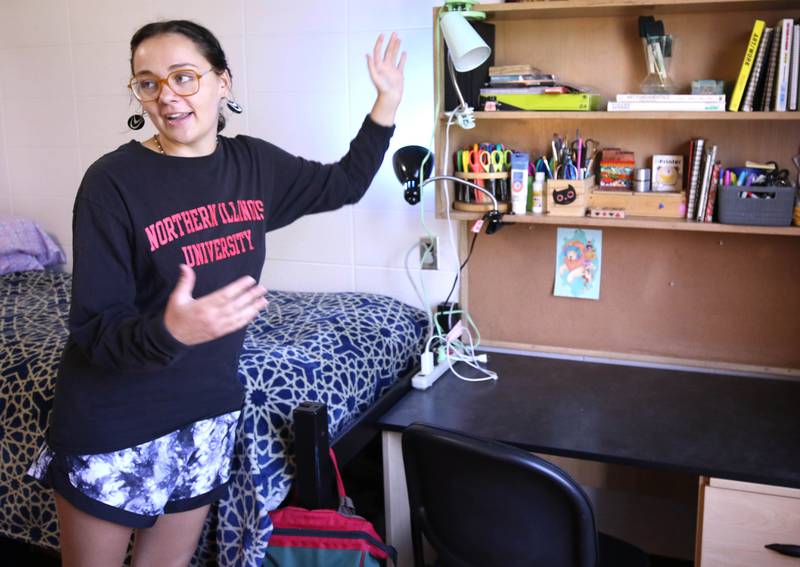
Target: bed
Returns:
[[351, 351]]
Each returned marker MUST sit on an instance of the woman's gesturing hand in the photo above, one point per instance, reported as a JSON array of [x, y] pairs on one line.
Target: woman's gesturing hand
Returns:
[[194, 321], [386, 73]]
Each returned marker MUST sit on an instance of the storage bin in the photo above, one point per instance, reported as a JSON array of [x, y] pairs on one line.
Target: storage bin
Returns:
[[734, 208], [559, 194]]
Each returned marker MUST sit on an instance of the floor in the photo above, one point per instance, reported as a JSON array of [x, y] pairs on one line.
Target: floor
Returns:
[[362, 479]]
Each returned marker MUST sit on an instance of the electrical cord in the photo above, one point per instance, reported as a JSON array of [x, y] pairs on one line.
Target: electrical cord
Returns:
[[469, 255], [454, 350]]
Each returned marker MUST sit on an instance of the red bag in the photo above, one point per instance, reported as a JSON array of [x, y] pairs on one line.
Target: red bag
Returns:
[[310, 538]]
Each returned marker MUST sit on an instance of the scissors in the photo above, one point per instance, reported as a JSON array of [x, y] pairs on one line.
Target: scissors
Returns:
[[479, 160], [567, 170], [777, 176], [500, 160], [583, 154]]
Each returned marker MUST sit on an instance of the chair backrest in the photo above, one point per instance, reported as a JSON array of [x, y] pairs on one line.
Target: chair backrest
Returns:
[[482, 504]]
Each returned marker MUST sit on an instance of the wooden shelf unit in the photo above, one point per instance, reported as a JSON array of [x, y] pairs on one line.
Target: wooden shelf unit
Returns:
[[603, 115], [596, 43], [706, 291], [654, 223]]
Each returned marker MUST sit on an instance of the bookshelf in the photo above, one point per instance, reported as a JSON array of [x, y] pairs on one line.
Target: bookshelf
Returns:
[[596, 43], [673, 292], [708, 294]]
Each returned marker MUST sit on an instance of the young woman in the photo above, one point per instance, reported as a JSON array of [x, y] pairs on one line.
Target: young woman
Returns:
[[169, 243]]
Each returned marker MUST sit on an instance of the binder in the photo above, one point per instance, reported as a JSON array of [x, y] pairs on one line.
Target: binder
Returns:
[[564, 102]]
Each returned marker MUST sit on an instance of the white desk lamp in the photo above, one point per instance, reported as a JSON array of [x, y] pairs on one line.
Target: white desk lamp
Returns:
[[467, 51]]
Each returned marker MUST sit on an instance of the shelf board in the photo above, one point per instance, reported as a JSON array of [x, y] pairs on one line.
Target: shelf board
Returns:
[[603, 115], [582, 8], [637, 222]]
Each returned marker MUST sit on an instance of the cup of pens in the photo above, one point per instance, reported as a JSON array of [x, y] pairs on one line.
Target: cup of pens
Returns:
[[658, 48]]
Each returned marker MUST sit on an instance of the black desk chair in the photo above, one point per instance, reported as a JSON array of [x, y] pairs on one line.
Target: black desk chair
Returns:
[[482, 504]]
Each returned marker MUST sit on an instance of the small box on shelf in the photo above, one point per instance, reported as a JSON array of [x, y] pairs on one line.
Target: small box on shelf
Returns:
[[648, 204], [568, 197]]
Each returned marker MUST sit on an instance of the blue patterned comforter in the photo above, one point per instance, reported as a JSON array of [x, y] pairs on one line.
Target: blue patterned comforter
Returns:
[[342, 349]]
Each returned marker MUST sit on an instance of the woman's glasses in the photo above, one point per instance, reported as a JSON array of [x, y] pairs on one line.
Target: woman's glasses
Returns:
[[183, 82]]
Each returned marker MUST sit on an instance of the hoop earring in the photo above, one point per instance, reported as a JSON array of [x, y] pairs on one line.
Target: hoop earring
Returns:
[[234, 106], [136, 121]]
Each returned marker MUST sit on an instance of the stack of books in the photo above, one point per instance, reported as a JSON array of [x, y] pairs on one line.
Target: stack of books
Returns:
[[668, 102], [523, 87], [704, 178], [770, 72]]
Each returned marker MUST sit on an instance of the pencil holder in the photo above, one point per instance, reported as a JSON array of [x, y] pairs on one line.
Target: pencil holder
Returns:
[[568, 197], [472, 200], [658, 58]]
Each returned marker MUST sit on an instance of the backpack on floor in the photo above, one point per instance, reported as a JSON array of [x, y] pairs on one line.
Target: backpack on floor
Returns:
[[325, 538]]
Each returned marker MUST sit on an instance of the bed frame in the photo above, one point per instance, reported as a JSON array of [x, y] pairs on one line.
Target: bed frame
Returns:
[[314, 483]]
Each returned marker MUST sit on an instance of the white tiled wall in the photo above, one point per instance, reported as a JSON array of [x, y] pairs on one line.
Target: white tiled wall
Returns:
[[299, 70]]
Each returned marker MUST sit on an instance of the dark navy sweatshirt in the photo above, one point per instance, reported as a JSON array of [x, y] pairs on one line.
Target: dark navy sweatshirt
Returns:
[[123, 379]]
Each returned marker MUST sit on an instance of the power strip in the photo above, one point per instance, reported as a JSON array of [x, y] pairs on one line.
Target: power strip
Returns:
[[424, 381]]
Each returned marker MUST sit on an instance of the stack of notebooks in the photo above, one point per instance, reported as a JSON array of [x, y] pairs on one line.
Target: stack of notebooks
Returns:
[[770, 72], [704, 177], [668, 103], [523, 87]]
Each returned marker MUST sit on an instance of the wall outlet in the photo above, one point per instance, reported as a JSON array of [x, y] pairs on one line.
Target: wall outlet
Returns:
[[429, 260]]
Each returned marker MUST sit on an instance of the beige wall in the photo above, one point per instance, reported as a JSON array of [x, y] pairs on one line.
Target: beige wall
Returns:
[[300, 73]]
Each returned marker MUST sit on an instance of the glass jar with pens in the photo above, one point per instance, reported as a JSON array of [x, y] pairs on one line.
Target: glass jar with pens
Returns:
[[658, 48]]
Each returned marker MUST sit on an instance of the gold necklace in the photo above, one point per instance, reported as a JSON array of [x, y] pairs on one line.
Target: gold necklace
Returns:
[[161, 148], [158, 143]]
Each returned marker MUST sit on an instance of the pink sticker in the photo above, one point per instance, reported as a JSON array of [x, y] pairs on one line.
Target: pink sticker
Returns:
[[477, 226]]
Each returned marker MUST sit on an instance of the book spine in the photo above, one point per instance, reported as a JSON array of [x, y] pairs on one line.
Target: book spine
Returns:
[[711, 158], [640, 97], [755, 75], [795, 79], [697, 159], [758, 97], [687, 182], [747, 64], [712, 193], [784, 57], [666, 106], [701, 184], [766, 104]]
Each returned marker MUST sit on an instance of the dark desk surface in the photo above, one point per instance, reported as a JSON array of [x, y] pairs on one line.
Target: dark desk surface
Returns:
[[705, 424]]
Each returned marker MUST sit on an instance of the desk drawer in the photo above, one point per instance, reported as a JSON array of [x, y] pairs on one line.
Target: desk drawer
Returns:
[[739, 519]]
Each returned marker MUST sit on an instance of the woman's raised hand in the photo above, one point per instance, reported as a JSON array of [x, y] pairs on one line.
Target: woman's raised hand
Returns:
[[194, 321], [386, 72]]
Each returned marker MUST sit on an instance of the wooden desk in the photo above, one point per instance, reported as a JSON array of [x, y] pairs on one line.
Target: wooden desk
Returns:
[[710, 425]]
